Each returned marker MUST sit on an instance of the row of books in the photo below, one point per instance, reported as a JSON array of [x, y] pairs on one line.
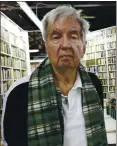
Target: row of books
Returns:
[[11, 38], [22, 54], [5, 48], [112, 67], [16, 63], [111, 38], [105, 89], [107, 31], [15, 51], [6, 61], [4, 34], [111, 45], [112, 88], [111, 60], [6, 74], [112, 74], [111, 53], [91, 69], [5, 86], [90, 49], [100, 47], [23, 73], [23, 64], [101, 40], [105, 95], [9, 25], [90, 62], [104, 82], [17, 74], [100, 54], [110, 31], [12, 62], [102, 75], [101, 68], [101, 61], [112, 82], [18, 53], [90, 56], [96, 41], [17, 41]]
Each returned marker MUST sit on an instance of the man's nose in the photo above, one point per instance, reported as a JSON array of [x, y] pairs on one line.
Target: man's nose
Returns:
[[65, 42]]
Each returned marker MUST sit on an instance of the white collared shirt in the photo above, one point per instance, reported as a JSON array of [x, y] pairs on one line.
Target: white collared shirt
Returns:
[[74, 124]]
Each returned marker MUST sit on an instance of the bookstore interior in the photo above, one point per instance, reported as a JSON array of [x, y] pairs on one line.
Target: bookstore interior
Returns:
[[18, 61]]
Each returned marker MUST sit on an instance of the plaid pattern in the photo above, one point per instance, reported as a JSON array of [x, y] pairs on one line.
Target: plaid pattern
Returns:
[[45, 118]]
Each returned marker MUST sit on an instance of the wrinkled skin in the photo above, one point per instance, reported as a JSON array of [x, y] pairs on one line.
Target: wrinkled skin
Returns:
[[65, 46]]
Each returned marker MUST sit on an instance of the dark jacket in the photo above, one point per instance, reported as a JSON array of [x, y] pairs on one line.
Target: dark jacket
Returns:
[[15, 111]]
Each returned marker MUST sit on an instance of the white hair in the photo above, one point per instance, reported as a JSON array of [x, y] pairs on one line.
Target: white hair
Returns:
[[63, 11]]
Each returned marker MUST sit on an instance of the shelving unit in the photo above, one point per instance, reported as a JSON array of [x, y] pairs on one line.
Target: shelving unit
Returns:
[[14, 54], [101, 58]]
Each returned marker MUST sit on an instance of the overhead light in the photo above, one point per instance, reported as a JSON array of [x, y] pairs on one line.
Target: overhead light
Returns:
[[34, 50], [88, 5], [30, 14], [89, 17]]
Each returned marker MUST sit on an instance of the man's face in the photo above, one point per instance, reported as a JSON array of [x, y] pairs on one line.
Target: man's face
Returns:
[[64, 44]]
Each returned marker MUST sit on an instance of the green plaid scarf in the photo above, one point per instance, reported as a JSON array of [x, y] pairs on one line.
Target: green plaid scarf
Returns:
[[45, 112]]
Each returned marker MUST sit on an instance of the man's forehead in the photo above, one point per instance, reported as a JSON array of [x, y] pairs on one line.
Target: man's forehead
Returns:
[[71, 25], [64, 30]]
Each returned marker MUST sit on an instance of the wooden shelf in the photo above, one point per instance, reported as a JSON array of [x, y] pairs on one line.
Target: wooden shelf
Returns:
[[6, 67], [101, 64], [102, 72], [102, 79], [111, 49], [16, 57], [6, 80], [112, 70], [4, 41], [100, 51], [111, 63], [100, 57], [111, 56], [16, 68], [22, 59], [23, 69], [5, 54]]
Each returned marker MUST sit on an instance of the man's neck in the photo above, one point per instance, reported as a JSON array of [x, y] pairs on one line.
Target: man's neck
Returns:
[[65, 80]]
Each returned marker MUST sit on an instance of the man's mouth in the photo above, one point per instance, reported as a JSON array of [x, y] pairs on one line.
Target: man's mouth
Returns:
[[66, 56]]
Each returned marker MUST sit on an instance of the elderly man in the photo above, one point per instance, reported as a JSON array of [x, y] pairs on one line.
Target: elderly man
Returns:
[[59, 104]]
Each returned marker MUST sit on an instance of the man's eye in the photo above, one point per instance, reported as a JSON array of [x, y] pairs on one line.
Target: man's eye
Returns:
[[74, 37], [56, 37]]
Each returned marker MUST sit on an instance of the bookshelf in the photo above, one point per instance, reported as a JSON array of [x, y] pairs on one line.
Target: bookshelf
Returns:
[[101, 58], [14, 54]]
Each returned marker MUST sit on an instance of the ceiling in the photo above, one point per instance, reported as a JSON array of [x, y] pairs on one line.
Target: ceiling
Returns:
[[103, 11]]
